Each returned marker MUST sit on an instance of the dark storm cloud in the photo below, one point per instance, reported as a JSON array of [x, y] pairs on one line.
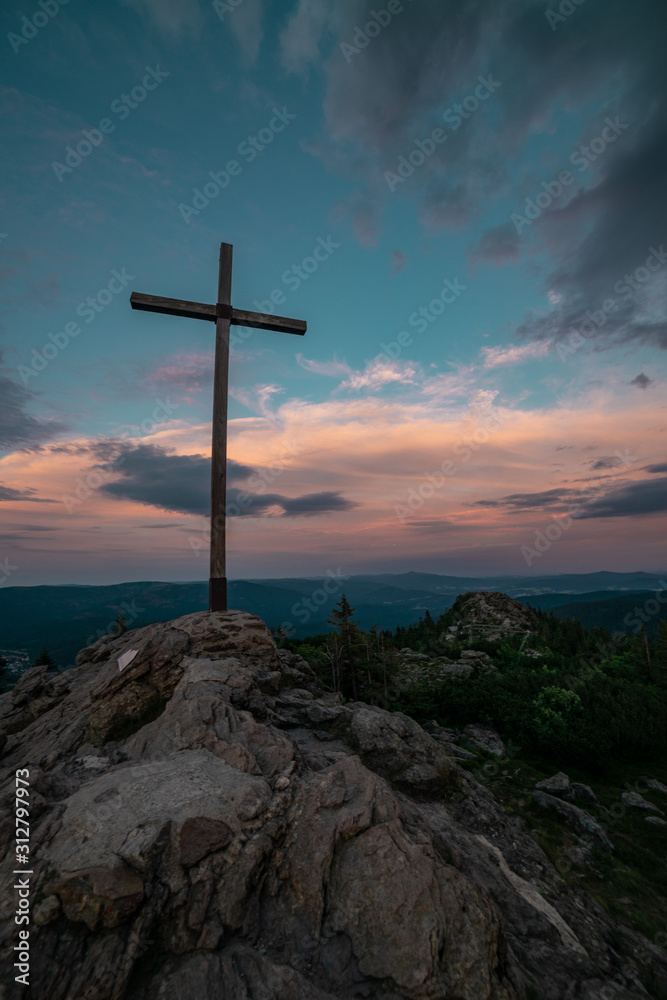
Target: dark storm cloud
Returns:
[[642, 381], [633, 500], [662, 467], [182, 483], [152, 476], [606, 462], [395, 89], [19, 430], [629, 499]]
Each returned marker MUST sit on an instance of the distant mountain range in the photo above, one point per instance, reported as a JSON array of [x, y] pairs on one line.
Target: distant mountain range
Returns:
[[65, 619]]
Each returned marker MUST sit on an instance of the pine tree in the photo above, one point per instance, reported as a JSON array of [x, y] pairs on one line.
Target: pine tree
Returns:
[[45, 660], [346, 645]]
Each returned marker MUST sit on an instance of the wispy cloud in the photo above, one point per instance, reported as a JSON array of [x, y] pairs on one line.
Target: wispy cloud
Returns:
[[515, 354]]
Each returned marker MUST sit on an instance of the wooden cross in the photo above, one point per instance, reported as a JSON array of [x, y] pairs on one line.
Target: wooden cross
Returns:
[[223, 315]]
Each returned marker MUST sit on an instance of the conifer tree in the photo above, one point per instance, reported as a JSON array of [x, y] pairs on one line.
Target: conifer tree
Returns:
[[45, 659], [346, 645]]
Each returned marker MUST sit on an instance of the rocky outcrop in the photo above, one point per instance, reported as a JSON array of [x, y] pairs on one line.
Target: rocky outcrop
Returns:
[[559, 785], [206, 822], [418, 668], [492, 615]]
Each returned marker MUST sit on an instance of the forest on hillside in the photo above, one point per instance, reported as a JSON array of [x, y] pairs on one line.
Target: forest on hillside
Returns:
[[573, 696]]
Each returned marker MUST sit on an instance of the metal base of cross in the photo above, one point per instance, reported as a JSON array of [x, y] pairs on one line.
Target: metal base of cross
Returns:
[[217, 594]]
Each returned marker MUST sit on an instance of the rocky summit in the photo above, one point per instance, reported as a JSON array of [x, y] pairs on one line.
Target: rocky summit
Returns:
[[208, 824], [492, 615]]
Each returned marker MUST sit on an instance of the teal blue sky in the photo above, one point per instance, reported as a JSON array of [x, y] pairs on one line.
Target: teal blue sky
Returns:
[[164, 95]]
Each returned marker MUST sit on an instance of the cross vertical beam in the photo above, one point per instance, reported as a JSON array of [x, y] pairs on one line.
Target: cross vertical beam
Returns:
[[217, 586], [224, 316]]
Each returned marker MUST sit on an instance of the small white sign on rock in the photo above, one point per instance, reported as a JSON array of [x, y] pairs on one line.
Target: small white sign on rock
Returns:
[[126, 659]]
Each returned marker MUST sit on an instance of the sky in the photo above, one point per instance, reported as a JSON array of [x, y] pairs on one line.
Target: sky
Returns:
[[464, 201]]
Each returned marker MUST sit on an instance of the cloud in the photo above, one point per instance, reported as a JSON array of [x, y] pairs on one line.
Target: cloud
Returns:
[[299, 41], [7, 493], [332, 368], [153, 476], [532, 501], [660, 467], [19, 429], [377, 373], [606, 462], [191, 371], [496, 357], [173, 17], [498, 246], [246, 24], [257, 398], [633, 500], [642, 381], [305, 506], [397, 88], [627, 499]]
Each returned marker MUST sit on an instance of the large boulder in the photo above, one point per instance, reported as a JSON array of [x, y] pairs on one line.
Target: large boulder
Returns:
[[557, 784], [207, 822]]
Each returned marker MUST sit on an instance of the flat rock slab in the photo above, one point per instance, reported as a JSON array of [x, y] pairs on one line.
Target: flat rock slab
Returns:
[[574, 817]]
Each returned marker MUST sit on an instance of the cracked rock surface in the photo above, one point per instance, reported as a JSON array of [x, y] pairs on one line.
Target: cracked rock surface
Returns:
[[207, 823]]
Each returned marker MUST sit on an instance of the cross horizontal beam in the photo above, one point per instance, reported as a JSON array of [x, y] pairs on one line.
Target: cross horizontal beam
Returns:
[[199, 310]]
